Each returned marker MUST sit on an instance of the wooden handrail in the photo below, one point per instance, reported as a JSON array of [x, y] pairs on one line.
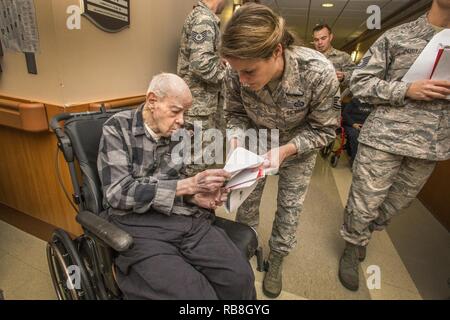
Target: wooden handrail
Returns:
[[34, 117], [24, 116], [117, 103]]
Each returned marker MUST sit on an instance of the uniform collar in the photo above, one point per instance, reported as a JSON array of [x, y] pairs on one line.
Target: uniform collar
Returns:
[[291, 76], [290, 81], [331, 52], [212, 14]]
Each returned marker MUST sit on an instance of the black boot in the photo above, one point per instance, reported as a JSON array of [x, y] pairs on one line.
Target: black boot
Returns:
[[348, 267]]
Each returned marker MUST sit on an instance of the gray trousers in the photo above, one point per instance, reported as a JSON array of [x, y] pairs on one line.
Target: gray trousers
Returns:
[[383, 184], [215, 120], [181, 258]]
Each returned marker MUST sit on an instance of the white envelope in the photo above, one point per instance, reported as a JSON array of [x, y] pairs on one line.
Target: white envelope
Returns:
[[242, 159], [244, 178], [237, 197]]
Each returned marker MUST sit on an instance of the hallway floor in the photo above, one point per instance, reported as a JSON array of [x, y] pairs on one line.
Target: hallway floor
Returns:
[[413, 254]]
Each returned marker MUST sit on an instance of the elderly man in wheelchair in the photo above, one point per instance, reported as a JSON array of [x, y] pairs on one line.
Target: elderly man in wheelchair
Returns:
[[169, 244]]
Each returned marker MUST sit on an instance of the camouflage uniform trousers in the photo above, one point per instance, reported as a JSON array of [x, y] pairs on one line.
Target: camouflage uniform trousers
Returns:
[[383, 184], [208, 122], [294, 177]]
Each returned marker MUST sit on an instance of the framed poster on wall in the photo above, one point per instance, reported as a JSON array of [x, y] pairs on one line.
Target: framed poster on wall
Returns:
[[108, 15]]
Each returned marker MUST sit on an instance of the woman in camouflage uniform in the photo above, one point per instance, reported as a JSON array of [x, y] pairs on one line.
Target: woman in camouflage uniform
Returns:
[[275, 85], [407, 132]]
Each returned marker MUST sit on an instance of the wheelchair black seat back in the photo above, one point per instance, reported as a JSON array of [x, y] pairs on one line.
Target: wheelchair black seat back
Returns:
[[83, 268]]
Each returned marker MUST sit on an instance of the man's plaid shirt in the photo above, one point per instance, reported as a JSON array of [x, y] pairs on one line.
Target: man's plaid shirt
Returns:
[[137, 173]]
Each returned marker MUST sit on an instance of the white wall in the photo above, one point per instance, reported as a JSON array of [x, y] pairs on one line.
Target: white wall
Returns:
[[86, 65]]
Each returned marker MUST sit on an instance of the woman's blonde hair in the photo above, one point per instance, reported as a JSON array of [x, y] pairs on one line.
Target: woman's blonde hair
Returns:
[[253, 32]]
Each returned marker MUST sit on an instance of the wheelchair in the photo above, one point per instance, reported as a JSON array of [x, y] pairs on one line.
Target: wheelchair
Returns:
[[82, 268], [331, 147]]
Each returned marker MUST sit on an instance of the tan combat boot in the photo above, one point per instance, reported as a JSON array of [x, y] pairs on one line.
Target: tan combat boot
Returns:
[[348, 267], [273, 283]]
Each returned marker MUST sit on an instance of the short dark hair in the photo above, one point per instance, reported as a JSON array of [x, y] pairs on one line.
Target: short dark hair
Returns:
[[319, 27]]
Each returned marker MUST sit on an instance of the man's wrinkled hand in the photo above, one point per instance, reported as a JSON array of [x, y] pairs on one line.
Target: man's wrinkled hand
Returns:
[[210, 180], [211, 200]]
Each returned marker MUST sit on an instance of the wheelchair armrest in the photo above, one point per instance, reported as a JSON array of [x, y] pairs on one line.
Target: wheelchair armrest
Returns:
[[243, 236], [114, 237]]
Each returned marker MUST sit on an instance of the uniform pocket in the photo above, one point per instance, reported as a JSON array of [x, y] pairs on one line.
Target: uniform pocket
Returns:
[[294, 110]]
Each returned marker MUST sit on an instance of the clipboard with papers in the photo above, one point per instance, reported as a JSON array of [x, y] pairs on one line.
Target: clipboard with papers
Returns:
[[246, 169], [441, 68], [434, 61]]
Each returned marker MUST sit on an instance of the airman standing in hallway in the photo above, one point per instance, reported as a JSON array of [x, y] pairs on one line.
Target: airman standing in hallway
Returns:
[[275, 85], [402, 139], [200, 66], [342, 62]]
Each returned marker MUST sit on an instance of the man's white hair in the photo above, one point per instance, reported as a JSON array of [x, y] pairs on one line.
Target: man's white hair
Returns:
[[165, 84]]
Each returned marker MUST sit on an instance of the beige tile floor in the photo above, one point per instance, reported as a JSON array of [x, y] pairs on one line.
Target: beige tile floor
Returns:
[[425, 250], [23, 266], [414, 261], [413, 253]]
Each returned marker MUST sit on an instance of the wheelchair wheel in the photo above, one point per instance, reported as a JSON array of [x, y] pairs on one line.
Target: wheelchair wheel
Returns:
[[334, 161], [90, 256], [65, 265]]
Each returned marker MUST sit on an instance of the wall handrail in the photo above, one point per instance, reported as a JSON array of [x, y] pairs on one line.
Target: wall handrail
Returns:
[[24, 116]]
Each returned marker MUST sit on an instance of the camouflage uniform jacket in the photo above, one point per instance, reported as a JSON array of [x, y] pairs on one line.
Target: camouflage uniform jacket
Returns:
[[302, 106], [399, 125], [137, 173], [342, 62], [199, 63]]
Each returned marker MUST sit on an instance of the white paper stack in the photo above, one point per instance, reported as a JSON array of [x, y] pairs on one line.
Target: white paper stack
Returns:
[[246, 169], [430, 60]]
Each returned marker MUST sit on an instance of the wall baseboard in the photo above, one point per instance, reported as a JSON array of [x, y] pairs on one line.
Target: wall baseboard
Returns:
[[26, 223]]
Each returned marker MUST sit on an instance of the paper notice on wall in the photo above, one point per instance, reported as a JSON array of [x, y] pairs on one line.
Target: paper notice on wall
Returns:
[[9, 26], [18, 27]]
